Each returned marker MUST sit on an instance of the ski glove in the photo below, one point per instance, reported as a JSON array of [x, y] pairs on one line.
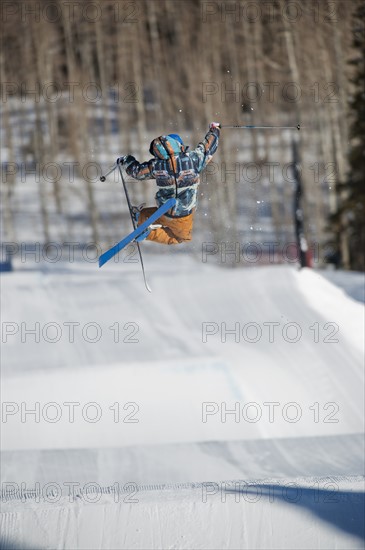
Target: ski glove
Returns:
[[214, 125], [121, 160]]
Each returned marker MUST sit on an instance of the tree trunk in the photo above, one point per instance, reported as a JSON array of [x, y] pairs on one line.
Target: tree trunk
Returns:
[[295, 77], [7, 210], [339, 156]]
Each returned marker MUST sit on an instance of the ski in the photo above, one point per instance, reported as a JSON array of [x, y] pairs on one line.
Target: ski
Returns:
[[134, 223], [138, 231]]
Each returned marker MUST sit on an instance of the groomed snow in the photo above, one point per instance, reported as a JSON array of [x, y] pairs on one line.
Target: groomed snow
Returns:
[[311, 513], [293, 398]]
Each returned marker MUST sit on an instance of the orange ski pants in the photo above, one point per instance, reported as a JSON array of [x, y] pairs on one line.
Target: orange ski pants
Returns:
[[173, 230]]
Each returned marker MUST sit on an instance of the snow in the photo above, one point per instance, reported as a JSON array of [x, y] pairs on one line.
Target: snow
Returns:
[[266, 514], [275, 406], [352, 283]]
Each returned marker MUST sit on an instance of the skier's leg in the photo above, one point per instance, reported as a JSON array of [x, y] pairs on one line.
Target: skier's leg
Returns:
[[182, 228], [146, 213], [173, 230]]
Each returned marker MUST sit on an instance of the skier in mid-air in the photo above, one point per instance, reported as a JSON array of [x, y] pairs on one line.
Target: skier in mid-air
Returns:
[[176, 170]]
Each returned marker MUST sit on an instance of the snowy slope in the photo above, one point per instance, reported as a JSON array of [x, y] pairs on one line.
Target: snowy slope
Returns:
[[184, 462], [163, 364], [353, 283], [181, 399], [311, 513]]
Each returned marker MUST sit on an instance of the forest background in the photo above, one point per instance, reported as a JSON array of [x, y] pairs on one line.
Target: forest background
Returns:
[[86, 81]]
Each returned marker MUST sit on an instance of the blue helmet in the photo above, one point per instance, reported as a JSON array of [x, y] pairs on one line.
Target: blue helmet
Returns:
[[176, 137]]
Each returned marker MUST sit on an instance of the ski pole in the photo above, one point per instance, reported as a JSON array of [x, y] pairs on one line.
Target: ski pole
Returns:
[[103, 178], [251, 127], [118, 165]]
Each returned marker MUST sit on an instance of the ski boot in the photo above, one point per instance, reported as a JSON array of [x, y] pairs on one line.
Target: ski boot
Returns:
[[147, 231], [136, 211], [143, 235]]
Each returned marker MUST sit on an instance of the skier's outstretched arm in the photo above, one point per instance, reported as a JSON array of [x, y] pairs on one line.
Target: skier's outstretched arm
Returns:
[[206, 148], [138, 170]]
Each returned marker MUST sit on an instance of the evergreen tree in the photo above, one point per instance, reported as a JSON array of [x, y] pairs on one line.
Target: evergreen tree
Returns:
[[350, 216]]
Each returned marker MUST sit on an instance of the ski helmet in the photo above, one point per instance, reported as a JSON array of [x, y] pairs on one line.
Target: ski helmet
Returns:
[[164, 147], [176, 137]]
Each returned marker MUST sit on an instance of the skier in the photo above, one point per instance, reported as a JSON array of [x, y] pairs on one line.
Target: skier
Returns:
[[176, 171]]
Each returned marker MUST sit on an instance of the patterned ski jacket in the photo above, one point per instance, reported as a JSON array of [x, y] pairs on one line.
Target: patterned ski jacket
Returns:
[[176, 170]]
